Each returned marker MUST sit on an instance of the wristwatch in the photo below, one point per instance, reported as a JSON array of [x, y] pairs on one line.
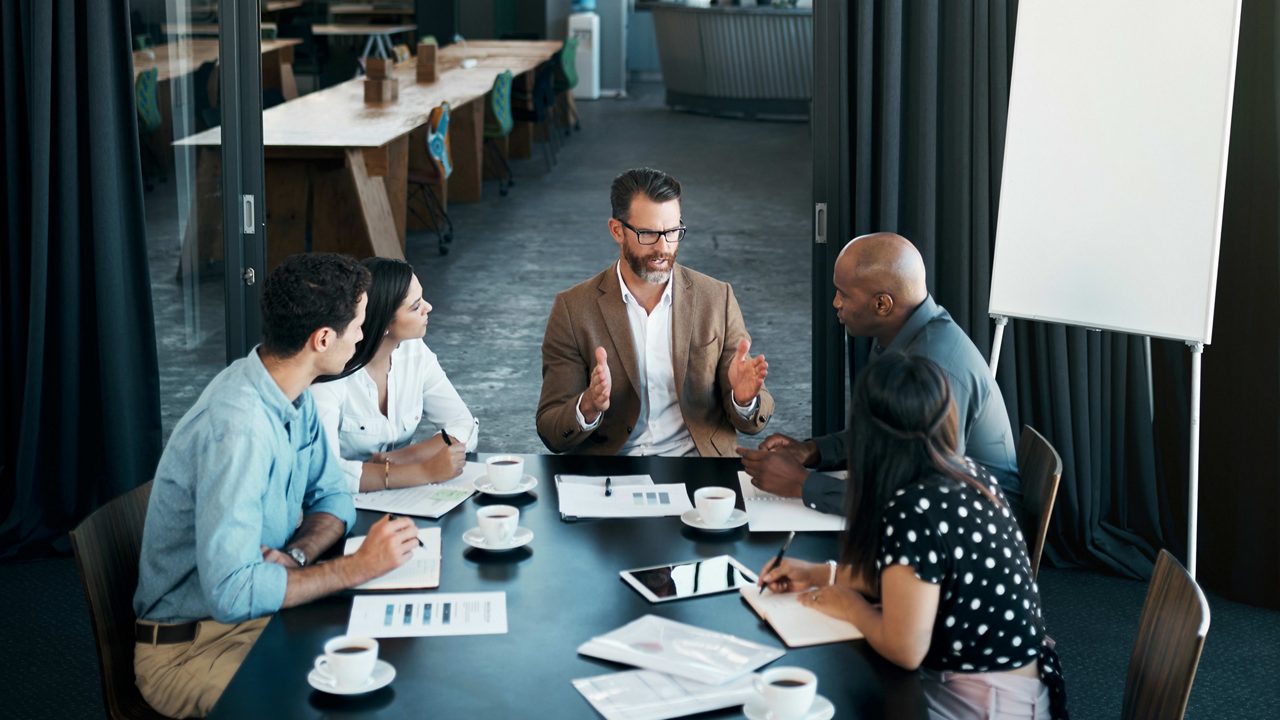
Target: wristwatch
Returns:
[[298, 556]]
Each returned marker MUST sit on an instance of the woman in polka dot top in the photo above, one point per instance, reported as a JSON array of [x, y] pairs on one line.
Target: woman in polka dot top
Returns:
[[931, 535]]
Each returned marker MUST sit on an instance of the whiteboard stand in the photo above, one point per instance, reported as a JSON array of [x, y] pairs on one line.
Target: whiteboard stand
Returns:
[[997, 341], [1193, 488]]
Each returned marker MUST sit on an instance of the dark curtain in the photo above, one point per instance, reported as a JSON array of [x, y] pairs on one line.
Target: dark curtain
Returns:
[[928, 99], [79, 390]]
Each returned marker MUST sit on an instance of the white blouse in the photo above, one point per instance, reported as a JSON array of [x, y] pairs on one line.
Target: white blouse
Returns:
[[417, 389]]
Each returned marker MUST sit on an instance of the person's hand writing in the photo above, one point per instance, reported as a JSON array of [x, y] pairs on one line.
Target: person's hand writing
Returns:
[[596, 399], [834, 600], [272, 555], [792, 575], [774, 472], [447, 462], [747, 374], [805, 453], [389, 544]]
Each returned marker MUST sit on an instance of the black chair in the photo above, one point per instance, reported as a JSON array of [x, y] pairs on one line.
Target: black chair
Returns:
[[539, 107]]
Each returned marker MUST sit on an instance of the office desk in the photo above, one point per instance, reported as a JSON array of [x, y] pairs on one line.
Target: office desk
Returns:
[[379, 36], [562, 589]]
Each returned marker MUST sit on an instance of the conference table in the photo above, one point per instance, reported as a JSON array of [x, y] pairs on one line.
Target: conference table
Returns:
[[561, 590], [337, 167]]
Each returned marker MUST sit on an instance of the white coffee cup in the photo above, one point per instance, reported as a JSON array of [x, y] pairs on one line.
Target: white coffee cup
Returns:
[[715, 504], [348, 661], [498, 523], [505, 471], [788, 692]]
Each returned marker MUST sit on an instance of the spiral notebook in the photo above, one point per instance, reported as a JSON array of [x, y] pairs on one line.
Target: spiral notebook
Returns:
[[767, 512]]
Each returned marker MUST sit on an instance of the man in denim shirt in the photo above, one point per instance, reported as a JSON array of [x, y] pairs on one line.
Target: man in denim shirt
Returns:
[[881, 293], [247, 494]]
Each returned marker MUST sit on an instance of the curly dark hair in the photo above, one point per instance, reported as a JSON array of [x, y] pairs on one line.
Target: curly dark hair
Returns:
[[307, 292], [653, 184]]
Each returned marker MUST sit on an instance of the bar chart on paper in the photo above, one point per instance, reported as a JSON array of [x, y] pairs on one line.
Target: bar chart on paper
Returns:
[[428, 615]]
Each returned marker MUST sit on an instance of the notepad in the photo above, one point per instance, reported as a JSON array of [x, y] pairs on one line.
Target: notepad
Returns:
[[581, 496], [650, 695], [767, 512], [420, 571], [429, 501], [797, 625], [705, 656]]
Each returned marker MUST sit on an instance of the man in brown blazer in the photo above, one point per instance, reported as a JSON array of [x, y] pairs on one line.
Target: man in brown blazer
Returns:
[[648, 357]]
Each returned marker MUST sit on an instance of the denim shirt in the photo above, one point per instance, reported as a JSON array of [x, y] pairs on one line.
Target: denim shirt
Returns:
[[240, 470]]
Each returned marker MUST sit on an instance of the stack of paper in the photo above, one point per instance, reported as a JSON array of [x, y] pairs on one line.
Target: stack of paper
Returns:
[[796, 624], [421, 571], [649, 695], [767, 512], [583, 496], [429, 501], [705, 656]]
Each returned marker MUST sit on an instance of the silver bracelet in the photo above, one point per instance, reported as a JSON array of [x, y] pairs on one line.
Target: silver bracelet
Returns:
[[831, 577]]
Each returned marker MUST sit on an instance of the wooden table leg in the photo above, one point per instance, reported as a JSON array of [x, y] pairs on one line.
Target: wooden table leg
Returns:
[[288, 188], [521, 145], [391, 163], [352, 212], [466, 140]]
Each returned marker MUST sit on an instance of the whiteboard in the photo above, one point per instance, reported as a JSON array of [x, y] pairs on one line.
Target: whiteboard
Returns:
[[1115, 164]]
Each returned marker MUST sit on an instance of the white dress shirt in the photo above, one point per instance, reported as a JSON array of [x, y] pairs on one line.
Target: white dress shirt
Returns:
[[660, 428], [417, 389]]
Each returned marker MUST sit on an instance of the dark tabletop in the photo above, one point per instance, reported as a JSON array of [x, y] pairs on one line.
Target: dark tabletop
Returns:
[[562, 589]]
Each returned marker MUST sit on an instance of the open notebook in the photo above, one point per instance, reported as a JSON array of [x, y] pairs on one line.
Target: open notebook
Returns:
[[767, 512], [797, 625], [421, 571]]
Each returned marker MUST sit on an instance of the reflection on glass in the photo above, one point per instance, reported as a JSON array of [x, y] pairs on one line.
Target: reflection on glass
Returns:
[[685, 579]]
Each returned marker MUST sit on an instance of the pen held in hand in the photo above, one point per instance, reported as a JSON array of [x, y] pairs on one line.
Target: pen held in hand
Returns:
[[608, 487], [778, 559], [445, 436], [397, 517]]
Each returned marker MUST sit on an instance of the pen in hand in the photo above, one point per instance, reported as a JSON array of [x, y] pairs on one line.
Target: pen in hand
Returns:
[[397, 517], [608, 487], [445, 436], [778, 559]]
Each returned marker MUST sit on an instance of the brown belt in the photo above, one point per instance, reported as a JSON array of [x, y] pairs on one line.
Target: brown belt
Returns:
[[155, 634]]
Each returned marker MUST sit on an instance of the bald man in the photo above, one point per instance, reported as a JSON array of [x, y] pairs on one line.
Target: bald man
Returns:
[[881, 293]]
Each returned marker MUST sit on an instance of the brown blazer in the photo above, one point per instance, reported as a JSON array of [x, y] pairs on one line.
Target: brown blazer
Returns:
[[706, 326]]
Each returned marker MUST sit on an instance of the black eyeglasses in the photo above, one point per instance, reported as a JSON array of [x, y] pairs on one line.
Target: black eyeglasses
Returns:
[[649, 237]]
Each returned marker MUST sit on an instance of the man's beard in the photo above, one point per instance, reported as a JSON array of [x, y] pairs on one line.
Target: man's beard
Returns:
[[639, 266]]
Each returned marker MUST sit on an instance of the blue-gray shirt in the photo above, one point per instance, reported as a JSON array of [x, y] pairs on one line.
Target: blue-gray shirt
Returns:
[[985, 434], [240, 469]]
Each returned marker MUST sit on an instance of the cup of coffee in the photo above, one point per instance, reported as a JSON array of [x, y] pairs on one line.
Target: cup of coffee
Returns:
[[347, 662], [714, 504], [498, 523], [788, 692], [505, 471]]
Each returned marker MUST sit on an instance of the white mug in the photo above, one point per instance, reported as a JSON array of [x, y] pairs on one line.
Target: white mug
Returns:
[[788, 692], [347, 662], [498, 523], [505, 471], [715, 504]]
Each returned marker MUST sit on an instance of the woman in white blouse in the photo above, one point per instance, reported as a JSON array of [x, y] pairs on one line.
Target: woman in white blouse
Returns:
[[393, 382]]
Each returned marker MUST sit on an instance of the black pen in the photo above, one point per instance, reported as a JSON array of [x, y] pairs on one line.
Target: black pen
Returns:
[[778, 560], [608, 487], [445, 435], [394, 517]]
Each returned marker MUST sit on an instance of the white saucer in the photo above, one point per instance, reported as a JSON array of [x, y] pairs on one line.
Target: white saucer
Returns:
[[527, 483], [382, 676], [822, 709], [693, 519], [475, 539]]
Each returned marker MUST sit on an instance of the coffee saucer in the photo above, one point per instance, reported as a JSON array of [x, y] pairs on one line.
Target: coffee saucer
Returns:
[[473, 537], [693, 519], [527, 483], [821, 709], [381, 677]]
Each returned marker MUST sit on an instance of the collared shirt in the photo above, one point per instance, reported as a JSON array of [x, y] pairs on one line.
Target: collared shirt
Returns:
[[985, 433], [660, 428], [240, 470], [417, 388]]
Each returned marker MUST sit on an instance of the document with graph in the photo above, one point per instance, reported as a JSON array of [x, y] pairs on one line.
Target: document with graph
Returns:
[[767, 512]]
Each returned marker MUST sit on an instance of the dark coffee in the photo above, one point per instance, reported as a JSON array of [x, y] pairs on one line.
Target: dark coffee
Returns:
[[350, 650], [499, 516], [788, 683], [504, 462]]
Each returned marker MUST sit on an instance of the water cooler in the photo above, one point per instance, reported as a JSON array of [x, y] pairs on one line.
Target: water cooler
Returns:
[[585, 26]]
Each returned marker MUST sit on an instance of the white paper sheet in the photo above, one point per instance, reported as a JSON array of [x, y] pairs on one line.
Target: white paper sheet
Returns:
[[623, 501], [421, 571], [429, 501], [650, 695], [705, 656], [767, 512], [428, 615], [598, 480], [796, 624]]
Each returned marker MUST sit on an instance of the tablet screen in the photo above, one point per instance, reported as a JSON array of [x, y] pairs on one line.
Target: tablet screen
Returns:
[[701, 577]]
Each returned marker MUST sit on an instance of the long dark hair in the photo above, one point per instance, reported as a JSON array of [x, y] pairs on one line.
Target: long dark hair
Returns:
[[390, 285], [904, 430]]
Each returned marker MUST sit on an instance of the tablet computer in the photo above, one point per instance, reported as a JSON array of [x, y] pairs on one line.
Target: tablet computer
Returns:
[[694, 578]]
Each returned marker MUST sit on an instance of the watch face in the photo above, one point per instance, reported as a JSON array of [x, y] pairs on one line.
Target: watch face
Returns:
[[298, 556]]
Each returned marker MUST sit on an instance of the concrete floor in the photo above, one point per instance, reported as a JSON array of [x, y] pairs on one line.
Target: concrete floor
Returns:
[[746, 198]]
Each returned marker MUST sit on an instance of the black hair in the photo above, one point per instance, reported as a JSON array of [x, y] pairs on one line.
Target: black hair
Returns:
[[654, 184], [903, 430], [307, 292], [390, 280]]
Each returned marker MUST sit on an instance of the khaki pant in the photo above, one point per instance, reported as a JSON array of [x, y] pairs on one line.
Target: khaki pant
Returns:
[[186, 679]]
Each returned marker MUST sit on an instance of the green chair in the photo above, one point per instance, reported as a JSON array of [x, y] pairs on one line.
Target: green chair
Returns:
[[149, 121], [498, 122], [566, 80]]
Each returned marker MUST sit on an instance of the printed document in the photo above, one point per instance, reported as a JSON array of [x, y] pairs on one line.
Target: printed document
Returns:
[[429, 501], [650, 695], [705, 656], [767, 512], [428, 615], [590, 501]]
